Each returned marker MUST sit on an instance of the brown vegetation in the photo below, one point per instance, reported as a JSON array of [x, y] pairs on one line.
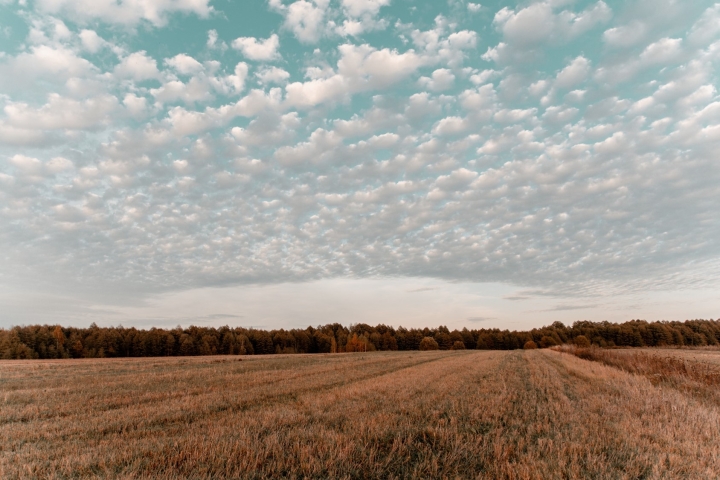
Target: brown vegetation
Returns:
[[667, 366], [428, 343], [434, 414], [47, 341]]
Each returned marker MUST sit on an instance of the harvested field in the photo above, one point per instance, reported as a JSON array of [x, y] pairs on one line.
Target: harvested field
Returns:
[[438, 414]]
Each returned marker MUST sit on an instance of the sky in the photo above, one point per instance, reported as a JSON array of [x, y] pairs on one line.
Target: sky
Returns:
[[278, 164]]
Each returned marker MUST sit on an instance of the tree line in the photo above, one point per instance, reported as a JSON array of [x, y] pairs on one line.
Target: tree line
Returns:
[[55, 341]]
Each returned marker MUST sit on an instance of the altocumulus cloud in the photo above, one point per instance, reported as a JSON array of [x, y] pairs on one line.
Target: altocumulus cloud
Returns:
[[566, 147]]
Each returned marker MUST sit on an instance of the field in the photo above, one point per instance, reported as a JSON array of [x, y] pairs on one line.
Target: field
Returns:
[[438, 414]]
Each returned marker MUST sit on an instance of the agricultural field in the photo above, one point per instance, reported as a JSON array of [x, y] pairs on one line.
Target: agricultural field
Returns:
[[435, 414]]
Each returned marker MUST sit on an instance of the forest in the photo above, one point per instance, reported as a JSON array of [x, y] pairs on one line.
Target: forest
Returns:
[[55, 341]]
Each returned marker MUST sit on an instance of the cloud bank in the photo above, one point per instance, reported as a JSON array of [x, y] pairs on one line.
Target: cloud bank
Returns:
[[563, 148]]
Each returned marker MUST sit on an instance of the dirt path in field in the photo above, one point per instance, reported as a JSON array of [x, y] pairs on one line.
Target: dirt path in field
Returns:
[[521, 414]]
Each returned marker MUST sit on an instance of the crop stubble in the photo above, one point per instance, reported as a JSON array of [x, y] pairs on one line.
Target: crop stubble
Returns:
[[471, 414]]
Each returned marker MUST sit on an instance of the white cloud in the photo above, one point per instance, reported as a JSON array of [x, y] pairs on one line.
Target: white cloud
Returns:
[[360, 68], [236, 81], [195, 90], [137, 66], [707, 28], [136, 106], [272, 75], [575, 73], [315, 150], [184, 64], [514, 115], [91, 41], [59, 164], [527, 26], [450, 126], [662, 51], [127, 12], [26, 164], [442, 79], [260, 50], [626, 35], [527, 29], [55, 64], [475, 100], [559, 114], [474, 7], [62, 113], [538, 22], [304, 18], [358, 8]]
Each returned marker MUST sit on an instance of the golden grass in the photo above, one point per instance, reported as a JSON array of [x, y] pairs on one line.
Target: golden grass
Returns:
[[435, 414], [693, 371]]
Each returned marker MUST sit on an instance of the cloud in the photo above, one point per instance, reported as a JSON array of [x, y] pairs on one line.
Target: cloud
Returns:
[[584, 162], [575, 73], [422, 289], [54, 64], [360, 68], [272, 75], [61, 113], [538, 22], [662, 51], [626, 35], [525, 30], [184, 64], [441, 79], [707, 27], [259, 50], [563, 308], [480, 319], [358, 8], [91, 41], [125, 12], [304, 18], [137, 66], [474, 7]]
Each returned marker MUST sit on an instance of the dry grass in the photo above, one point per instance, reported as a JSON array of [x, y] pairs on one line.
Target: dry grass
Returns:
[[693, 371], [464, 414]]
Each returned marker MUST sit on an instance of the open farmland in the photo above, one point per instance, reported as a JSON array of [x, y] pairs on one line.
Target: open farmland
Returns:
[[467, 414]]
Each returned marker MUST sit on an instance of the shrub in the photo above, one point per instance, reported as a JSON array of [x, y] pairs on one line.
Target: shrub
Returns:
[[458, 345], [582, 341], [428, 343], [530, 345]]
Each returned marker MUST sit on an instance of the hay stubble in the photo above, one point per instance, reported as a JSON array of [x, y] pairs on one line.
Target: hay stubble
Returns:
[[521, 414]]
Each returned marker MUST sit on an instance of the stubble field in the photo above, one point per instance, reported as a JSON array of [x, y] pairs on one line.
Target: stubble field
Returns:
[[447, 414]]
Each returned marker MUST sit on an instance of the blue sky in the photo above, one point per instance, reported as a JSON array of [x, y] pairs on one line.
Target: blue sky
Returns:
[[289, 163]]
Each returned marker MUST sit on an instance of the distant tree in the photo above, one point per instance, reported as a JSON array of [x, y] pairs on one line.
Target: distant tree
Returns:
[[244, 345], [530, 345], [356, 344], [429, 343], [388, 342], [458, 345], [582, 341], [187, 346], [59, 337], [53, 341], [76, 346], [468, 338], [443, 340]]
